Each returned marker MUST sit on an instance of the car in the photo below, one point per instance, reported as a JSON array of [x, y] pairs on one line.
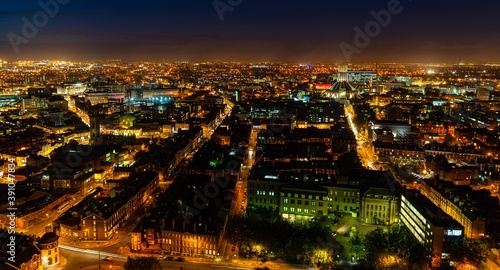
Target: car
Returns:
[[170, 258], [161, 257], [107, 258], [180, 259]]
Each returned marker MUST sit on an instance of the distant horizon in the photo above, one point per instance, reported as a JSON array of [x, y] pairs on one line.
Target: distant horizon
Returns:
[[251, 62]]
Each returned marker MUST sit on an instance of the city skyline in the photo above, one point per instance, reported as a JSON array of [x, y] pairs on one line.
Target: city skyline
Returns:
[[297, 31]]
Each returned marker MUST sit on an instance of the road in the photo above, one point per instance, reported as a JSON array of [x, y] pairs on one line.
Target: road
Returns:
[[85, 258], [364, 146], [39, 224], [239, 203]]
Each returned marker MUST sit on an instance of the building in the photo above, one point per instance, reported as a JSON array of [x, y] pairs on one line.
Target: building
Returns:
[[455, 201], [48, 244], [397, 128], [344, 199], [380, 206], [193, 239], [36, 205], [265, 192], [430, 226], [28, 255], [341, 88], [102, 214], [95, 97], [460, 175], [299, 201], [380, 196]]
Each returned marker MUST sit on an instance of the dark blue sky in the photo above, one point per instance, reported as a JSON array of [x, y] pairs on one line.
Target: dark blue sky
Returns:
[[290, 30]]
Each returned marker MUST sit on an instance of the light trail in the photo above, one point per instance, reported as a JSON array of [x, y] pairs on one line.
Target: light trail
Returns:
[[91, 251]]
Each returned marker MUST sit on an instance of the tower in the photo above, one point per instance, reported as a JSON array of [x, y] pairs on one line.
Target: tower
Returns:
[[48, 244], [342, 75], [95, 130]]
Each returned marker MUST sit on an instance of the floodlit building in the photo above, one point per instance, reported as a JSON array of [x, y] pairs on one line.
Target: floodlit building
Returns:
[[430, 226]]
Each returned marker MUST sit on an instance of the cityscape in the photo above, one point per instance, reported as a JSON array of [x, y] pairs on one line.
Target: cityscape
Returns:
[[225, 141]]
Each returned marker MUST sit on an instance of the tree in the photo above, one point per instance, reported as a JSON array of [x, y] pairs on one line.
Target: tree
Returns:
[[469, 251], [141, 263], [356, 244], [396, 248]]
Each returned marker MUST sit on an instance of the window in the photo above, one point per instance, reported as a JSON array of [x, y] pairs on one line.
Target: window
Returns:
[[306, 202], [292, 209], [271, 193], [292, 201], [320, 204], [313, 203], [299, 201], [285, 200], [299, 210]]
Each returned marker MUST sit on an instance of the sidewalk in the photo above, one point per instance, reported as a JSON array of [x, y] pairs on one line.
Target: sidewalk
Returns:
[[61, 265]]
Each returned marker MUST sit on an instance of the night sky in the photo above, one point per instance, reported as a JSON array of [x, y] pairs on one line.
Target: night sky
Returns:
[[256, 30]]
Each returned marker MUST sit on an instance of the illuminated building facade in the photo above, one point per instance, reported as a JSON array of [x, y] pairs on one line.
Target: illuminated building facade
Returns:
[[48, 243], [103, 97], [342, 88], [430, 226], [380, 206], [446, 196], [303, 202]]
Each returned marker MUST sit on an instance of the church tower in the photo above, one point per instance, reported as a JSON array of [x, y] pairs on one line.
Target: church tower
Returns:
[[95, 130]]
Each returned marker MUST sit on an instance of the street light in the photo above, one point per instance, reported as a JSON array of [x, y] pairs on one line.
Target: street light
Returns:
[[99, 251]]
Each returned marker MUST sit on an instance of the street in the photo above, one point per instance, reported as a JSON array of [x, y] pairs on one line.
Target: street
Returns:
[[89, 259], [364, 149]]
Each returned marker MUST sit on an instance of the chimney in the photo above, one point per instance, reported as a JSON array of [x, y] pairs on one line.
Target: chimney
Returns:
[[194, 226], [184, 225], [173, 223], [206, 227]]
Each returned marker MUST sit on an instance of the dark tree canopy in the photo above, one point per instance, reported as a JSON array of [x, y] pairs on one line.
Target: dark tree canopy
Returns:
[[142, 263]]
